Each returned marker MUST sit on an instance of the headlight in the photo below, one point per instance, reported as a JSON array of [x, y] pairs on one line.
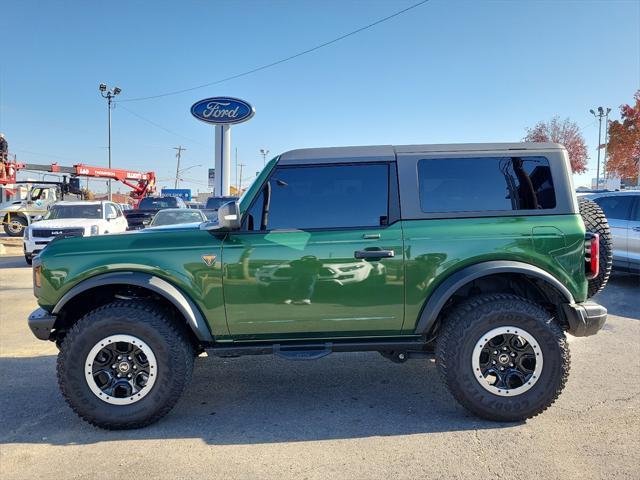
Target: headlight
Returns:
[[95, 230]]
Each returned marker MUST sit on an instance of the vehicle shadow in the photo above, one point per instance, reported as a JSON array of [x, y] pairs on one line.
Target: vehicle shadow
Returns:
[[13, 261], [249, 400], [620, 295]]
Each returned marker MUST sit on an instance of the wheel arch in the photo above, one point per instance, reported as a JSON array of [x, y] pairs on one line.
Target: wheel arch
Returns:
[[549, 287], [172, 295]]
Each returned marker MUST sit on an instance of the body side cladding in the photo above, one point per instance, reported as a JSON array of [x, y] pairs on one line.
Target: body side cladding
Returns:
[[436, 301], [184, 304]]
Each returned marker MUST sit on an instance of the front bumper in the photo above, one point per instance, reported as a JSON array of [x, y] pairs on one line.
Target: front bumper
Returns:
[[585, 318], [41, 323]]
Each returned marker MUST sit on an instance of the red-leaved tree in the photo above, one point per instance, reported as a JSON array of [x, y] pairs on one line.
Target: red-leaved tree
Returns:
[[624, 142], [567, 133]]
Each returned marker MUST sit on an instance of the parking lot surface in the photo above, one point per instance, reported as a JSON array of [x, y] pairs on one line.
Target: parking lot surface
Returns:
[[344, 416]]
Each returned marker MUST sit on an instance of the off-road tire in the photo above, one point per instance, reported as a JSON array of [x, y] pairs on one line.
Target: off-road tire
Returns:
[[140, 318], [465, 326], [15, 219], [595, 221]]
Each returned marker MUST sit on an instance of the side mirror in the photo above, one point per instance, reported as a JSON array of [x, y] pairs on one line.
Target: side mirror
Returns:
[[228, 218]]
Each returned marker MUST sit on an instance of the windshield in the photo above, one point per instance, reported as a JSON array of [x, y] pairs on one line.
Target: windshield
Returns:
[[74, 211], [214, 203], [175, 217], [151, 203]]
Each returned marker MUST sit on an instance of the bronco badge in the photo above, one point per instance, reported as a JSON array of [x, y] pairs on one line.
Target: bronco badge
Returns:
[[208, 259]]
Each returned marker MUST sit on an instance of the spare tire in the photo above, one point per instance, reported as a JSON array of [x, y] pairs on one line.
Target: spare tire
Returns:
[[596, 222]]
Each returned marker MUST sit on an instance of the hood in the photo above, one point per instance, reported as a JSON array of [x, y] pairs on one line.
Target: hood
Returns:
[[66, 223]]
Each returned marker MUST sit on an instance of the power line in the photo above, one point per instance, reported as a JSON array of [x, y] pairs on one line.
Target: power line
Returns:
[[282, 60], [157, 125]]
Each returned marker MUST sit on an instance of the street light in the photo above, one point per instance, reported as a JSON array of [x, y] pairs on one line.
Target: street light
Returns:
[[109, 94], [264, 153], [601, 113]]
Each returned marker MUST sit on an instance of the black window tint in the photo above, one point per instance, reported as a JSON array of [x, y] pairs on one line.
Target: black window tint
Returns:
[[328, 196], [253, 217], [485, 184], [618, 207]]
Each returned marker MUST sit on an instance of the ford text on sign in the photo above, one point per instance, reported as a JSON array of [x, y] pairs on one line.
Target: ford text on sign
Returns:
[[222, 110]]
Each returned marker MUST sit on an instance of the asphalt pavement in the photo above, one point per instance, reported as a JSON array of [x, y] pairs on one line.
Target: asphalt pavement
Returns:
[[344, 416]]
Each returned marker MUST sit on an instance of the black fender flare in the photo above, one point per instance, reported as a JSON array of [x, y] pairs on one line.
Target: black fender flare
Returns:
[[182, 302], [449, 286]]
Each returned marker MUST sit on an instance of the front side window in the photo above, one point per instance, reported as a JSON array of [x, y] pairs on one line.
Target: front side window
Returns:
[[616, 206], [328, 196], [485, 184]]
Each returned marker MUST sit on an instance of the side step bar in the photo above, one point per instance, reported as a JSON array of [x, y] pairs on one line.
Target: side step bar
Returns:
[[315, 350]]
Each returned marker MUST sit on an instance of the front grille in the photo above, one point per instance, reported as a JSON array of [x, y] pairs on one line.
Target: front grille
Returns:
[[56, 232]]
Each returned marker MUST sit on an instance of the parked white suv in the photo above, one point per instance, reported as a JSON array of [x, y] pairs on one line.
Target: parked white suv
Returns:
[[73, 219]]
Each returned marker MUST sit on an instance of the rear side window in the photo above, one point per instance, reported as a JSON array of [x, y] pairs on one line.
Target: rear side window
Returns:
[[328, 196], [485, 184], [616, 207]]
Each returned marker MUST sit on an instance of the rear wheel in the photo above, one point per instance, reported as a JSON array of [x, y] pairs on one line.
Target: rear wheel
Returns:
[[595, 221], [14, 225], [503, 357], [124, 365]]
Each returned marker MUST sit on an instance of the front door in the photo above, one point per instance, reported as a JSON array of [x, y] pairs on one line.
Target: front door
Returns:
[[617, 209], [319, 256]]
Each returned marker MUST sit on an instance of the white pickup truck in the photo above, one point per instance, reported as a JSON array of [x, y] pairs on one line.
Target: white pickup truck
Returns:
[[73, 219]]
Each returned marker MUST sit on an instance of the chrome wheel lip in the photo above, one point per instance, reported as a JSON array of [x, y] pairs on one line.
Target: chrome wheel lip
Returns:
[[136, 342], [482, 342]]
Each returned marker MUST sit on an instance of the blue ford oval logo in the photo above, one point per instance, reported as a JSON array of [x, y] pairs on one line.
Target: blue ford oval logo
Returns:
[[222, 110]]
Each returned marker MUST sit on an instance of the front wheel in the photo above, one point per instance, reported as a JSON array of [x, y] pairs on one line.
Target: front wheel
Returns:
[[124, 365], [503, 357]]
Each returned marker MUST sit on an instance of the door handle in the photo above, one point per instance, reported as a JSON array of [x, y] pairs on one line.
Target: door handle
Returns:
[[374, 254], [371, 236]]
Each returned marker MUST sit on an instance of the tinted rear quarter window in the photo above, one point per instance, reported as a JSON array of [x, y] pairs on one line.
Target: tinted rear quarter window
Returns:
[[485, 184]]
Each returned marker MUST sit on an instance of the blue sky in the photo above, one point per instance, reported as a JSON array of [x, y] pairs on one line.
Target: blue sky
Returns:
[[447, 71]]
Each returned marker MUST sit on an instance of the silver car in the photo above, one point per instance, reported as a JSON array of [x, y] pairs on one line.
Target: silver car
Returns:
[[622, 210]]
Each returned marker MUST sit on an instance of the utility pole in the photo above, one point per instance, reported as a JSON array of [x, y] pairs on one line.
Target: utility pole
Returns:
[[109, 94], [606, 143], [264, 153], [179, 149], [240, 180], [601, 113], [237, 170]]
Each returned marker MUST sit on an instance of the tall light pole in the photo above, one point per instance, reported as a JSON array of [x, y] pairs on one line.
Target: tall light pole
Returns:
[[599, 116], [264, 153], [109, 94]]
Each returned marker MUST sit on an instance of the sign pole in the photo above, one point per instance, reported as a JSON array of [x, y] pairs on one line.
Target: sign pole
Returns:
[[222, 160]]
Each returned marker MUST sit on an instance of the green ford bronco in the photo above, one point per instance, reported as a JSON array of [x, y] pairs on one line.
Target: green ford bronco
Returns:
[[475, 254]]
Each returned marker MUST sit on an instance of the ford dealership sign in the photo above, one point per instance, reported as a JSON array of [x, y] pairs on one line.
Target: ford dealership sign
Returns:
[[222, 110]]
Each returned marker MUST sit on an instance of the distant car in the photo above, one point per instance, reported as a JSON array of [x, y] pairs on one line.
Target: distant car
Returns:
[[214, 203], [622, 210], [148, 207], [68, 219], [176, 216], [195, 205]]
